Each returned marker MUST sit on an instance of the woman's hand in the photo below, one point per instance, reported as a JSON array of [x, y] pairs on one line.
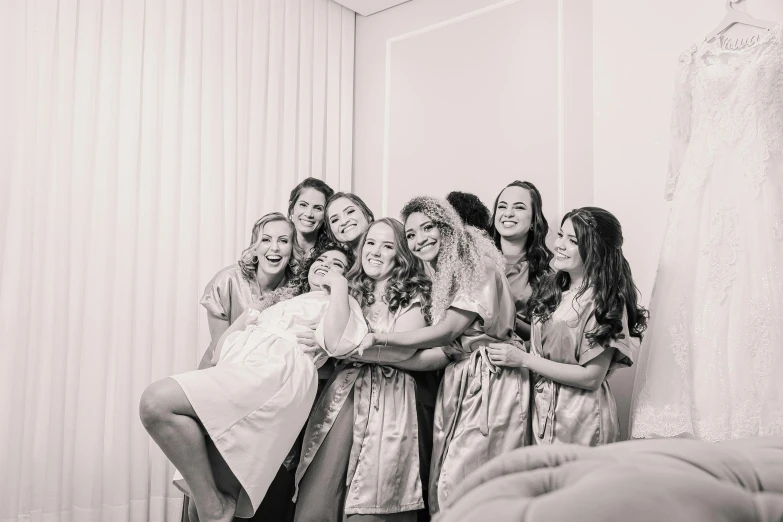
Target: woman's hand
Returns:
[[367, 343], [308, 338], [506, 354], [333, 280]]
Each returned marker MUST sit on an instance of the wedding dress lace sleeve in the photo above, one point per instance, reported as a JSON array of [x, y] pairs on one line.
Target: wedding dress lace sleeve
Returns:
[[680, 121]]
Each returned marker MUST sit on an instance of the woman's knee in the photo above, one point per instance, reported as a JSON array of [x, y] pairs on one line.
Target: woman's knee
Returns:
[[153, 406]]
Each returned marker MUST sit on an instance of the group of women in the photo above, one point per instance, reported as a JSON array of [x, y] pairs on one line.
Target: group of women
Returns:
[[395, 357]]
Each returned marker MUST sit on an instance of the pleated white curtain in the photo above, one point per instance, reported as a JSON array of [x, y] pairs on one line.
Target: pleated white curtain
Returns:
[[139, 141]]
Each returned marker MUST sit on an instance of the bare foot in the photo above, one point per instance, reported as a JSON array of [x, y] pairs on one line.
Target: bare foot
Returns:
[[229, 508], [192, 512], [223, 513]]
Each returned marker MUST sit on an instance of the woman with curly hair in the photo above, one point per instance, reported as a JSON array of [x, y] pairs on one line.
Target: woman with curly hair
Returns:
[[364, 435], [519, 230], [584, 316], [262, 268], [481, 410], [258, 279], [254, 399]]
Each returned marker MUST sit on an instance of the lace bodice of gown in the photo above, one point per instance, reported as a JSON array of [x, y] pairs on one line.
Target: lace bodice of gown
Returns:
[[727, 101]]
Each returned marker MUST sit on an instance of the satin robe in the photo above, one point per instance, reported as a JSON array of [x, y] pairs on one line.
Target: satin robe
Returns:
[[566, 414], [226, 296], [482, 410], [383, 469], [254, 402], [517, 273]]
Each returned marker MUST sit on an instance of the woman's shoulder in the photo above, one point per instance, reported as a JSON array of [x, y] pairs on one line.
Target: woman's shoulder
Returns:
[[582, 304], [229, 273], [492, 270], [414, 303]]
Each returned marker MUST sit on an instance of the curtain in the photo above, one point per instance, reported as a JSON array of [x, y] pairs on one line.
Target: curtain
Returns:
[[139, 141]]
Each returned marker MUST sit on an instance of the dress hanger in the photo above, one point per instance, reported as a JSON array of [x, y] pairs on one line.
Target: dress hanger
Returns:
[[733, 16]]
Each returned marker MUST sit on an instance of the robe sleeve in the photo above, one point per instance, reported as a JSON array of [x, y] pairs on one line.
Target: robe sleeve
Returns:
[[353, 334], [621, 346], [217, 295], [482, 300]]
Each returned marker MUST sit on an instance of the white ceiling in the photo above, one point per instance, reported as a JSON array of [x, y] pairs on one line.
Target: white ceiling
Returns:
[[369, 7]]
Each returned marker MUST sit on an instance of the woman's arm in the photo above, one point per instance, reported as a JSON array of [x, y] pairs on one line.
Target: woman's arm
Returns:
[[411, 320], [236, 326], [453, 324], [217, 326], [337, 312], [522, 329], [425, 360], [588, 376]]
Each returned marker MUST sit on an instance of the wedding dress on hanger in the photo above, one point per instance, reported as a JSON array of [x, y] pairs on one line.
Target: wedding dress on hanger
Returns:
[[711, 363]]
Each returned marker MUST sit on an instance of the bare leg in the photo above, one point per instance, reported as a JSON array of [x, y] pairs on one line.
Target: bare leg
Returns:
[[172, 423], [192, 512]]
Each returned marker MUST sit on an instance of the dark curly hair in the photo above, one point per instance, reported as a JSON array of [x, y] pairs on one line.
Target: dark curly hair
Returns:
[[299, 283], [537, 253], [407, 280], [607, 272], [471, 209]]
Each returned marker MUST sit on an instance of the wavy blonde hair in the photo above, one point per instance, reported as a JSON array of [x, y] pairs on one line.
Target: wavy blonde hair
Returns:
[[248, 261], [459, 267]]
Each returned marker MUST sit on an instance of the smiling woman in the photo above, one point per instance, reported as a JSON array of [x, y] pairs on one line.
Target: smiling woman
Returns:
[[584, 318], [256, 395], [384, 464], [306, 207], [519, 230], [348, 218], [258, 280], [471, 308], [262, 268]]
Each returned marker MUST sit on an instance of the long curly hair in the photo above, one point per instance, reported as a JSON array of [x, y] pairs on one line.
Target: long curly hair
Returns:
[[248, 261], [299, 284], [537, 253], [407, 280], [607, 273], [353, 198], [459, 266], [293, 198]]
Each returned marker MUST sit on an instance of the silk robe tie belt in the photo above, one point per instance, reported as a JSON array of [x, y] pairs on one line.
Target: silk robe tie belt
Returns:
[[546, 390], [477, 379]]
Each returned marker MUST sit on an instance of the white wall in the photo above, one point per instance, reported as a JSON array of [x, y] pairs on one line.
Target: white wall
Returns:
[[473, 102], [470, 95]]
